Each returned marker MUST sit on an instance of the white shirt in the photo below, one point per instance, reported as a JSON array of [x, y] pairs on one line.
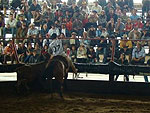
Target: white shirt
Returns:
[[12, 23], [51, 31], [56, 47], [97, 8]]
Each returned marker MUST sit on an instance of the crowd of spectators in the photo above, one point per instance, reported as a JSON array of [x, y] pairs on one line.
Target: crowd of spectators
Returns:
[[77, 24]]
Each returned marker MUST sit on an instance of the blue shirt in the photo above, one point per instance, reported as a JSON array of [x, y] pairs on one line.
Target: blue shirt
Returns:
[[138, 54]]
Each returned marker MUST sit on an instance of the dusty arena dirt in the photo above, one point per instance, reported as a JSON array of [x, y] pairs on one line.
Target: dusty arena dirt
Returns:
[[73, 103]]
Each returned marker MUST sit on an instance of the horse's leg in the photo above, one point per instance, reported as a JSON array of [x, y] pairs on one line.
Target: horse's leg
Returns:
[[49, 81], [26, 86], [65, 81], [18, 86], [60, 89]]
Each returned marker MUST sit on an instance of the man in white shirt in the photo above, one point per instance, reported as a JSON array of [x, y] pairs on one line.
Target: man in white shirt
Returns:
[[96, 7], [10, 26], [54, 30], [32, 33]]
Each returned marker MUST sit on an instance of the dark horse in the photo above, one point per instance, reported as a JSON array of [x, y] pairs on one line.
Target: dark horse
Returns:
[[57, 67], [43, 72], [29, 73]]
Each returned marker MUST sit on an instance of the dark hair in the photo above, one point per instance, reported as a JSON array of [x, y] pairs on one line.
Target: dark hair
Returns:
[[54, 36]]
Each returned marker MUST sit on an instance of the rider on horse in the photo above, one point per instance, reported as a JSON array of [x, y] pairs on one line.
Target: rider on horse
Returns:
[[56, 48]]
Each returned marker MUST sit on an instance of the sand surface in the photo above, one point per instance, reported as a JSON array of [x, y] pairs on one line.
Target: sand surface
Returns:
[[73, 103]]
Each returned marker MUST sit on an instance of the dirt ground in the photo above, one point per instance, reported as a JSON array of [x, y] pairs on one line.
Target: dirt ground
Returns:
[[73, 103]]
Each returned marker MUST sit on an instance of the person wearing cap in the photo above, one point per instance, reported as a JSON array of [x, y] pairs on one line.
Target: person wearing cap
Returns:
[[74, 40], [102, 19], [34, 58], [82, 2], [96, 7], [56, 48], [138, 54], [84, 8], [32, 33]]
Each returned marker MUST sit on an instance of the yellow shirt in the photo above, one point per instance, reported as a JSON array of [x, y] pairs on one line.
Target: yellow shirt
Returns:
[[124, 44]]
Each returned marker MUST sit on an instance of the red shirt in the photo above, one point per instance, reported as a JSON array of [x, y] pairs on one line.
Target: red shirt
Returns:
[[128, 27], [69, 25]]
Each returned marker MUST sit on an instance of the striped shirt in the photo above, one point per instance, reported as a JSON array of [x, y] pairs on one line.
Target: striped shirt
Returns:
[[56, 47]]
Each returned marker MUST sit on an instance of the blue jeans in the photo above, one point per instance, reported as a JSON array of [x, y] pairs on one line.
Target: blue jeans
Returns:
[[11, 30]]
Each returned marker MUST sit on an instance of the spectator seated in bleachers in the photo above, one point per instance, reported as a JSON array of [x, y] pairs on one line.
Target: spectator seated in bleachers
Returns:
[[101, 48], [33, 8], [135, 34], [126, 46], [92, 34], [138, 54], [128, 26], [119, 27], [10, 26], [37, 18], [102, 20], [21, 52], [91, 55], [29, 52], [35, 58], [32, 33], [77, 27], [96, 7], [74, 40], [53, 30], [82, 54], [73, 53], [110, 26], [9, 53], [21, 33]]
